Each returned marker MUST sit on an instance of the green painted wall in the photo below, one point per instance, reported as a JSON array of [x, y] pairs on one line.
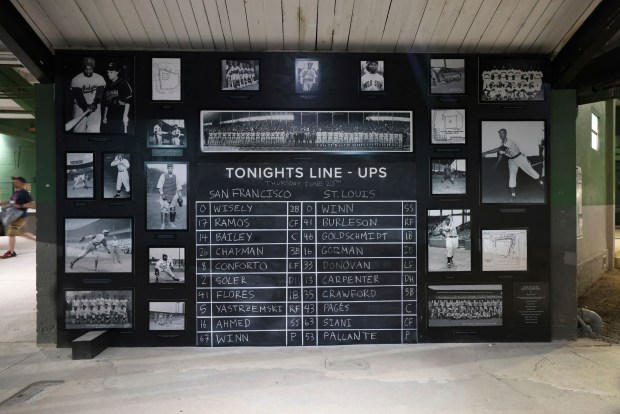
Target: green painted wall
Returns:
[[17, 157], [596, 172]]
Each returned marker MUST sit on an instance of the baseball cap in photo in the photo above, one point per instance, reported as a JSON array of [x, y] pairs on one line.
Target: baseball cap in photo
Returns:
[[170, 165], [112, 66], [503, 129], [22, 179]]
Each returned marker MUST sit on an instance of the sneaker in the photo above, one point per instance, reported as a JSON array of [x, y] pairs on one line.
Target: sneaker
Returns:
[[541, 182], [117, 195], [163, 226], [173, 226], [71, 265], [175, 279], [8, 254], [513, 195]]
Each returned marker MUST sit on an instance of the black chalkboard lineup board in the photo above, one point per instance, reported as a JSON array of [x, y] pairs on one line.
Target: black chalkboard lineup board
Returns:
[[305, 254]]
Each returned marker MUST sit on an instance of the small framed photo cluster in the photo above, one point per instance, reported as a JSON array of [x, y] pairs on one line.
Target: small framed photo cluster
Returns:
[[167, 316], [99, 309], [81, 175], [240, 75], [166, 133]]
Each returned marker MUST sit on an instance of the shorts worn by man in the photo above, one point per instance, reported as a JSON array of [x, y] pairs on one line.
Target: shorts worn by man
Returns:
[[20, 200]]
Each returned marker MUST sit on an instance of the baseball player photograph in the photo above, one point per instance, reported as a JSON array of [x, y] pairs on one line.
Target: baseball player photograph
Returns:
[[448, 126], [448, 176], [79, 175], [449, 240], [166, 265], [116, 175], [371, 76], [166, 199], [95, 83], [307, 76], [166, 316], [166, 133], [511, 80], [98, 245], [240, 75], [97, 309], [117, 101], [512, 164], [447, 76]]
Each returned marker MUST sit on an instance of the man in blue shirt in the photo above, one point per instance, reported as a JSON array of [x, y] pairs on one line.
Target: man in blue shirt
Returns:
[[20, 200]]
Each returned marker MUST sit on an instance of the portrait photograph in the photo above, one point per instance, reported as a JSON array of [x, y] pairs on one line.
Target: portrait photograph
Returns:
[[307, 76], [166, 264], [98, 95], [447, 76], [511, 80], [504, 250], [166, 195], [240, 75], [166, 79], [166, 133], [372, 74], [98, 245], [98, 309], [465, 305], [79, 173], [513, 162], [116, 175], [448, 176], [166, 316], [448, 126], [311, 131], [449, 240]]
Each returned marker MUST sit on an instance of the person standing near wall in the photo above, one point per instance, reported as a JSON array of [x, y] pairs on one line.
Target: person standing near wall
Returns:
[[20, 200]]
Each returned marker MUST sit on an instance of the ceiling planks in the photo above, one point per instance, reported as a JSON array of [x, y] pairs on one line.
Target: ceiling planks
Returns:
[[238, 24], [447, 19], [343, 13], [410, 26], [575, 27], [189, 18], [517, 19], [376, 25], [202, 22], [69, 22], [543, 21], [359, 24], [290, 24], [97, 23], [133, 23], [307, 24], [552, 34], [273, 24], [479, 25], [256, 25], [110, 15], [494, 28], [217, 30], [461, 26], [432, 12], [325, 24]]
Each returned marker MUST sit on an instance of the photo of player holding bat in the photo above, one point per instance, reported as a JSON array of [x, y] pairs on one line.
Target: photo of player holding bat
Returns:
[[101, 95]]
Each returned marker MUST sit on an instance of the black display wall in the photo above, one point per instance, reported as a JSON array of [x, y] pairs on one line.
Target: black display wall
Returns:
[[507, 301]]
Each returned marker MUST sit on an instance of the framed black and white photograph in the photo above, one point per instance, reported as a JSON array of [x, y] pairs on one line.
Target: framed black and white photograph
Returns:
[[79, 175], [372, 73], [307, 76], [448, 126], [312, 131], [465, 305], [448, 176], [504, 250], [166, 264], [166, 195], [99, 94], [166, 79], [240, 75], [98, 245], [99, 309], [513, 162], [166, 316], [511, 80], [449, 240], [116, 175], [166, 133], [447, 76]]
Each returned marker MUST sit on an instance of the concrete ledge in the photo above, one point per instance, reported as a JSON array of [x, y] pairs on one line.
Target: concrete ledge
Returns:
[[89, 345]]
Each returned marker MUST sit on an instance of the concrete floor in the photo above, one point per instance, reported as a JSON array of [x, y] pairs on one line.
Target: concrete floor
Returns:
[[558, 377]]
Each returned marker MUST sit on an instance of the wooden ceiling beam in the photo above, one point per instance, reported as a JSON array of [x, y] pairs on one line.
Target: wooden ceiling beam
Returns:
[[19, 37], [588, 41]]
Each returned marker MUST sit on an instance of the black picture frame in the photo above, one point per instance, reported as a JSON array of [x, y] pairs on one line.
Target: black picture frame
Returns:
[[307, 75], [80, 180], [167, 315], [166, 79], [504, 250], [244, 71], [464, 305], [156, 218], [161, 133], [448, 183], [444, 253], [515, 173], [386, 131], [107, 309], [107, 116], [447, 75], [117, 175], [503, 80], [372, 81], [85, 253], [448, 126], [164, 274]]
